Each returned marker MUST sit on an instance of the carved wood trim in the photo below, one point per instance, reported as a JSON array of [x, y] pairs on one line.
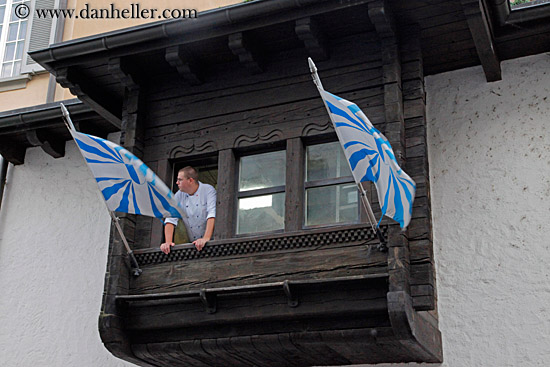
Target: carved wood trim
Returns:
[[310, 129], [182, 151], [261, 245], [246, 140]]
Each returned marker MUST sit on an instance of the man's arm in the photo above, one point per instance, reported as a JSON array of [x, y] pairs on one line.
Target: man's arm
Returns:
[[169, 229], [199, 244]]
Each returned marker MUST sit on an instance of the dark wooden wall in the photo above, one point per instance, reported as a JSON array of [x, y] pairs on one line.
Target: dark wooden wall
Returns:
[[238, 111]]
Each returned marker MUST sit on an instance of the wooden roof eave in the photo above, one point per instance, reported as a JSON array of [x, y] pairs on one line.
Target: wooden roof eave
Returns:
[[43, 126], [207, 25]]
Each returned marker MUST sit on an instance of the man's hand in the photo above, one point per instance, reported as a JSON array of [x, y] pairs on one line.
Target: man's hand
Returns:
[[165, 247], [200, 243]]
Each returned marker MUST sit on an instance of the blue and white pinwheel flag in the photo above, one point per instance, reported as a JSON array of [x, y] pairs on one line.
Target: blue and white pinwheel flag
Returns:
[[371, 158], [127, 184]]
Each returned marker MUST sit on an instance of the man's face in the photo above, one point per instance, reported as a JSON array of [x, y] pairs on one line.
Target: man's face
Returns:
[[184, 184]]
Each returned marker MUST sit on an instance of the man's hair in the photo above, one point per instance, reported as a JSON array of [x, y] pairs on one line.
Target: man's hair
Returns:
[[190, 172]]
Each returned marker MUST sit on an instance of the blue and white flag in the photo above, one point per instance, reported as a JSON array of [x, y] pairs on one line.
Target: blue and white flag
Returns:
[[371, 158], [127, 184]]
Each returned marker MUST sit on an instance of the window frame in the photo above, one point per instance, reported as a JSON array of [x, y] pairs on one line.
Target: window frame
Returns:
[[4, 39]]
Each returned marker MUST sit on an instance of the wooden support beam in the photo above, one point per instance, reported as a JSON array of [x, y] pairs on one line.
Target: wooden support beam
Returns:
[[105, 106], [477, 19], [240, 46], [175, 56], [49, 144], [309, 32]]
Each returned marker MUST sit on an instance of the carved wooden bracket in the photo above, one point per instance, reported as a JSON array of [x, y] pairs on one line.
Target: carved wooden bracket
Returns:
[[189, 71], [49, 144], [241, 47], [382, 18], [120, 70], [12, 152], [309, 32]]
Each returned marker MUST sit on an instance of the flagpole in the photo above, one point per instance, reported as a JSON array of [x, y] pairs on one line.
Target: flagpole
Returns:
[[136, 269], [362, 192]]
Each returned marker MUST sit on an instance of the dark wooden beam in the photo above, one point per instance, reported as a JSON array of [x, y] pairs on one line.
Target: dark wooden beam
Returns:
[[175, 56], [309, 32], [103, 105], [477, 19], [240, 46], [49, 144]]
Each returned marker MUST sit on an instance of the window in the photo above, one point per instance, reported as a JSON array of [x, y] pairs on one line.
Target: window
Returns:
[[208, 174], [331, 195], [261, 192], [13, 32]]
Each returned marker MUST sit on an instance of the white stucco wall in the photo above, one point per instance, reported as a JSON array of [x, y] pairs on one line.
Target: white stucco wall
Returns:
[[54, 233], [490, 174], [490, 166]]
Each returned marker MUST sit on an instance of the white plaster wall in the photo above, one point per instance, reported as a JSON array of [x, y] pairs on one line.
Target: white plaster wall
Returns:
[[54, 232]]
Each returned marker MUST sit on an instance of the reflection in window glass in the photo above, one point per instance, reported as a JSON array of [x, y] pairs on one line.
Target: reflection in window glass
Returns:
[[261, 171], [326, 161], [331, 204], [261, 213], [328, 200]]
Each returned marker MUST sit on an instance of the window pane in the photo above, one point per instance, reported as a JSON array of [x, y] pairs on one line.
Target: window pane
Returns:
[[22, 30], [12, 31], [19, 50], [13, 17], [326, 161], [6, 70], [16, 68], [332, 204], [10, 52], [2, 12], [262, 170], [261, 213]]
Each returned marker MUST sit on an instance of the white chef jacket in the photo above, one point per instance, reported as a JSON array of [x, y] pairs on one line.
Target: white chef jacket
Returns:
[[199, 207]]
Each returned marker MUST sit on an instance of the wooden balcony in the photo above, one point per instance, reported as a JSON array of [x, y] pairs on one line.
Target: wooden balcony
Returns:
[[318, 297]]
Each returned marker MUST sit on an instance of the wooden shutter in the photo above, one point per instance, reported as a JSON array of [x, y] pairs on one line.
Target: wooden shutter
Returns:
[[40, 33]]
